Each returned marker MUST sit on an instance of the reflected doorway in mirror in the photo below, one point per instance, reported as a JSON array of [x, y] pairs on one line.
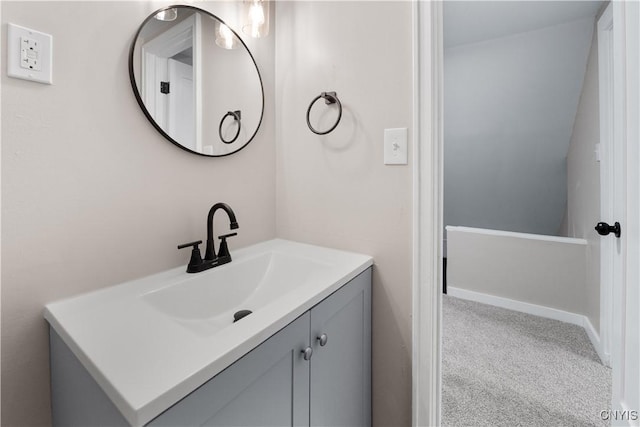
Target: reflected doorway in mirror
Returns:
[[169, 63]]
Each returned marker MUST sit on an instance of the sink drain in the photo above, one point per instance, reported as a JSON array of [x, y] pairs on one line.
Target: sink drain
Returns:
[[240, 314]]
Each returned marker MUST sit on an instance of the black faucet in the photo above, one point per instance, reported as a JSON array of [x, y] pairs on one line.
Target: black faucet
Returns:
[[197, 264], [210, 253]]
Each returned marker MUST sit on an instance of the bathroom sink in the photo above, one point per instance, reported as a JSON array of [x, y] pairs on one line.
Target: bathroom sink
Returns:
[[150, 342], [206, 302]]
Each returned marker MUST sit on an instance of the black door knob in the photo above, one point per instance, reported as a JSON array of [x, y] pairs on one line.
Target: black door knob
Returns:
[[603, 229]]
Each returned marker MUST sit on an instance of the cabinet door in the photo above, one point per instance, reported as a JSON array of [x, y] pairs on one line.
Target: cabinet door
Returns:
[[341, 368], [269, 386]]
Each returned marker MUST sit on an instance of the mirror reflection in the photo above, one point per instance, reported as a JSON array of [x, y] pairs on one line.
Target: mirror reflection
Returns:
[[196, 81]]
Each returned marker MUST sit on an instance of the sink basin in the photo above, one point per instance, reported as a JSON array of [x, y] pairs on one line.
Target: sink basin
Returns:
[[150, 342], [205, 302]]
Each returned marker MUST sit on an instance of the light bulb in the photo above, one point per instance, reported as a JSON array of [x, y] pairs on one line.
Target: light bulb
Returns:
[[256, 14], [257, 18], [167, 14], [225, 38]]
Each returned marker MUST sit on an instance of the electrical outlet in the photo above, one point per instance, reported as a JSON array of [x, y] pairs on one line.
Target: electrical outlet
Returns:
[[29, 54]]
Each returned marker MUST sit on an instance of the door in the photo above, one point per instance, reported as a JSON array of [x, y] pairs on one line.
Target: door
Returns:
[[610, 182], [181, 120], [341, 365], [618, 57]]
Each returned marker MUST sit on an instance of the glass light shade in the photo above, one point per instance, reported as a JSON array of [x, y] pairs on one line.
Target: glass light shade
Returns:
[[225, 37], [256, 18], [167, 14]]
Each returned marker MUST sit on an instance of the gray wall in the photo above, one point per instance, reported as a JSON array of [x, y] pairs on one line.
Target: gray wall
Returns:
[[510, 103], [92, 195]]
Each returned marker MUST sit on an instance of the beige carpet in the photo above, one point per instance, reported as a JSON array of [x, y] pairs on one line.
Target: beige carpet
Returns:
[[505, 368]]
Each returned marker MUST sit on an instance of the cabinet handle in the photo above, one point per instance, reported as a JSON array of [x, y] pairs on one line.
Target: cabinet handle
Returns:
[[307, 352], [323, 339]]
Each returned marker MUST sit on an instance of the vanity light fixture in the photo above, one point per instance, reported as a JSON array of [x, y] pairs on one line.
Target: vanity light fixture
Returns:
[[167, 15], [225, 37], [256, 18]]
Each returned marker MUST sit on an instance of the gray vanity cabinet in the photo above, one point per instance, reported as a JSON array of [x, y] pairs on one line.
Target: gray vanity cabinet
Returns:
[[269, 386], [340, 393], [272, 385]]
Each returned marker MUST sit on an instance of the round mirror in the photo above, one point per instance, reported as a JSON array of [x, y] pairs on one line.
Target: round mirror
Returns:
[[196, 81]]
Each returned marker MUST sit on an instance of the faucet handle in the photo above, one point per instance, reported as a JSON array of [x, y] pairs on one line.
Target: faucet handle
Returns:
[[224, 236], [186, 245], [223, 250], [196, 258]]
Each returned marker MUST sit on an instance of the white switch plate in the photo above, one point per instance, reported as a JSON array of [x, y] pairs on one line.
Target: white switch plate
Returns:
[[29, 54], [395, 146]]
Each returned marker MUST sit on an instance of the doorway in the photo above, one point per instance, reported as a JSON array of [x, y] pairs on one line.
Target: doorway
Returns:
[[521, 197], [428, 212]]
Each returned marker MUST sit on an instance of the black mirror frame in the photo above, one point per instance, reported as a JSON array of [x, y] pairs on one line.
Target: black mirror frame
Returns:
[[136, 92]]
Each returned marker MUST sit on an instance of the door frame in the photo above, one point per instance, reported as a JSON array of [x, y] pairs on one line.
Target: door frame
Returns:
[[427, 223], [625, 320], [427, 212]]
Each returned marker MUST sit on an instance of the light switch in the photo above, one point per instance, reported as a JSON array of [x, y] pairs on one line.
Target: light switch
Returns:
[[29, 54], [395, 146]]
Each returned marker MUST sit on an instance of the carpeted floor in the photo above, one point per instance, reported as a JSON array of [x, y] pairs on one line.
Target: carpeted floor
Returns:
[[505, 368]]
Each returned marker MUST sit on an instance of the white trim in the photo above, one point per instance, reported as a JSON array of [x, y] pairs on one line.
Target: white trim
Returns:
[[501, 233], [625, 352], [427, 215], [523, 307], [632, 265], [595, 340], [536, 310], [415, 214]]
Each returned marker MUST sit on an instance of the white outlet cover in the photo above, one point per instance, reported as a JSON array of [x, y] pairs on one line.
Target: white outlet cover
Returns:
[[43, 72], [395, 146]]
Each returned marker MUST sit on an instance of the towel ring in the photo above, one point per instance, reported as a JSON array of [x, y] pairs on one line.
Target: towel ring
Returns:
[[329, 98], [236, 116]]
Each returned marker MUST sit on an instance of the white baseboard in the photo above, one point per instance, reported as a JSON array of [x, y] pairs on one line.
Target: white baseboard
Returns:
[[536, 310], [594, 337], [524, 307]]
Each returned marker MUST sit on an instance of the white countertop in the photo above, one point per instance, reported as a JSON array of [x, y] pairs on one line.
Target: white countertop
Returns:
[[147, 354]]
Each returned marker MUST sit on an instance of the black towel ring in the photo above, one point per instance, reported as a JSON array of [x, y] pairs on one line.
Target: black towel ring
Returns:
[[329, 98], [236, 116]]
